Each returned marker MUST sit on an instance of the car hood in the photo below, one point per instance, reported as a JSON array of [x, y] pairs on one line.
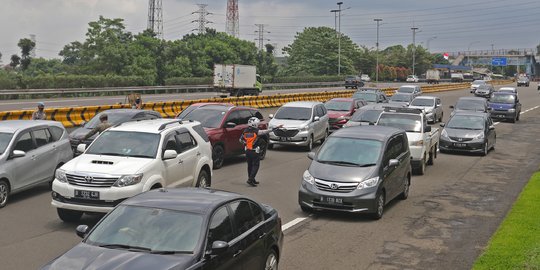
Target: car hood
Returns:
[[337, 114], [356, 123], [288, 123], [463, 133], [80, 133], [337, 173], [84, 256], [107, 164], [501, 106]]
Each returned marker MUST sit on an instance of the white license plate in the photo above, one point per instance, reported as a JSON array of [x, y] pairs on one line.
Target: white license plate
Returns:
[[284, 139], [332, 200], [461, 145], [86, 194]]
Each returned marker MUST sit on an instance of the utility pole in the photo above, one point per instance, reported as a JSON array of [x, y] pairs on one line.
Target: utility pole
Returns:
[[335, 11], [155, 17], [232, 25], [377, 55], [261, 33], [414, 48], [339, 38], [202, 21]]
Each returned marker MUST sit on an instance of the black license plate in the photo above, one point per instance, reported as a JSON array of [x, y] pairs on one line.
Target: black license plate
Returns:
[[86, 194], [331, 200], [284, 139], [460, 145]]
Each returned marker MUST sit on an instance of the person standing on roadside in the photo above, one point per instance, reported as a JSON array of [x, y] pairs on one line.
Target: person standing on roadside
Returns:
[[39, 114], [252, 144], [100, 127]]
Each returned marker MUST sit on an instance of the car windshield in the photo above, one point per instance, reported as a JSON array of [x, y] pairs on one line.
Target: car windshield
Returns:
[[508, 99], [407, 122], [370, 116], [186, 111], [125, 144], [333, 105], [400, 98], [466, 122], [5, 138], [148, 229], [410, 77], [470, 105], [478, 82], [423, 102], [350, 152], [350, 78], [369, 97], [208, 117], [409, 90], [112, 118], [293, 113]]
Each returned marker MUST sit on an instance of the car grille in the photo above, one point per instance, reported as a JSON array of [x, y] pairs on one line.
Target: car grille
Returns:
[[335, 186], [458, 139], [94, 181], [286, 132]]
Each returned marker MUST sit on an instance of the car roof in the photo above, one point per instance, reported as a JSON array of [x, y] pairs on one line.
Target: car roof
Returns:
[[408, 86], [343, 99], [379, 133], [403, 94], [508, 88], [124, 111], [505, 93], [304, 104], [195, 200], [12, 126], [152, 125]]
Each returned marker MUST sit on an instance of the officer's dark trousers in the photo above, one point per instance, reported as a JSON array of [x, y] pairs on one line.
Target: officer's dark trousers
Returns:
[[253, 161]]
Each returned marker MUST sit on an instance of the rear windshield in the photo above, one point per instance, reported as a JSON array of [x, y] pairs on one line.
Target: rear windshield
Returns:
[[407, 122], [293, 113]]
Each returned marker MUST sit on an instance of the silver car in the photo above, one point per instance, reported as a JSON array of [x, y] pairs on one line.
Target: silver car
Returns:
[[30, 153], [304, 122], [432, 106]]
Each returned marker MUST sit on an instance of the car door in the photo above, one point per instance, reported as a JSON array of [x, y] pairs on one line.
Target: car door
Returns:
[[518, 106], [391, 173], [188, 154], [45, 157], [22, 167], [318, 125], [438, 108], [250, 229], [174, 168], [491, 132], [232, 135], [221, 229], [324, 118]]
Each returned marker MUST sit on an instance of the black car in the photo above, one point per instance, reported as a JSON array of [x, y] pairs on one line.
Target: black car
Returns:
[[468, 132], [115, 116], [359, 170], [471, 104], [180, 229], [371, 96], [353, 81]]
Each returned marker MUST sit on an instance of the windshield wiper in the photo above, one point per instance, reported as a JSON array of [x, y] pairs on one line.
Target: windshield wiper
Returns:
[[367, 165], [122, 246], [166, 252], [341, 163], [140, 156]]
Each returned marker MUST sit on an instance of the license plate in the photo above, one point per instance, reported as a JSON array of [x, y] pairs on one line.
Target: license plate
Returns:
[[284, 139], [460, 145], [86, 194], [332, 200], [500, 115]]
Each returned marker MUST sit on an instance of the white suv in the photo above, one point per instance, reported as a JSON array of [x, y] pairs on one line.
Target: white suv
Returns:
[[131, 158]]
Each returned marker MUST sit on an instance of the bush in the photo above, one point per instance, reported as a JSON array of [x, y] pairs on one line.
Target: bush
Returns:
[[81, 81], [7, 81], [189, 81], [303, 79]]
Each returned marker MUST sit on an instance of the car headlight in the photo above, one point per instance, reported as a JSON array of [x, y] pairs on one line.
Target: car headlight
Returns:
[[417, 143], [444, 134], [479, 136], [128, 180], [512, 110], [308, 177], [371, 182], [60, 175], [304, 128]]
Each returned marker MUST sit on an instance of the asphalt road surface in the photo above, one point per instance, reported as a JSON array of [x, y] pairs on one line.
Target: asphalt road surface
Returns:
[[30, 104], [450, 215]]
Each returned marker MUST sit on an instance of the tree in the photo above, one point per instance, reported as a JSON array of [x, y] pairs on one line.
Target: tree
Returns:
[[15, 61], [26, 46], [0, 57]]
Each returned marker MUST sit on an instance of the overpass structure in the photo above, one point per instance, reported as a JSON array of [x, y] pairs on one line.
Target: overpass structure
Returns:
[[521, 58]]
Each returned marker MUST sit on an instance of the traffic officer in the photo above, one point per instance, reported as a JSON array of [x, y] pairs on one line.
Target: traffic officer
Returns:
[[100, 127], [39, 114]]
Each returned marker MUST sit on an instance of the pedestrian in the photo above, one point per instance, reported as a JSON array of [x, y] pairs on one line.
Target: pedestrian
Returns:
[[100, 127], [138, 104], [39, 114], [252, 144]]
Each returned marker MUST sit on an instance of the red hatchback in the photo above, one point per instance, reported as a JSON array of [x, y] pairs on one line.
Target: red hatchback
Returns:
[[224, 124], [340, 111]]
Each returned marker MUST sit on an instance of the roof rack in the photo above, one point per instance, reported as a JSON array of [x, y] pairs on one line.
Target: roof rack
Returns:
[[135, 120], [403, 110], [164, 125]]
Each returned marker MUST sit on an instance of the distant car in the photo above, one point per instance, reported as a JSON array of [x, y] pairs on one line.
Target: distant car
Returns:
[[224, 124], [30, 153], [401, 99], [457, 77], [367, 115], [468, 132], [359, 170], [340, 111], [474, 104], [475, 84], [365, 78], [188, 228], [505, 106], [484, 91], [194, 106], [432, 107], [415, 90], [412, 78], [353, 82], [115, 116], [371, 95], [523, 81]]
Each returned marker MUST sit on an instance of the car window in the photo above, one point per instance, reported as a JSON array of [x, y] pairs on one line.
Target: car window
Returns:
[[244, 116], [243, 218], [25, 143], [319, 111], [42, 137], [257, 212], [56, 133], [257, 114], [394, 149], [185, 141], [220, 228], [170, 143], [234, 117], [200, 130]]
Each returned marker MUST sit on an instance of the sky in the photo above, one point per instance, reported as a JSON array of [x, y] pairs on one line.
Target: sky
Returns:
[[446, 26]]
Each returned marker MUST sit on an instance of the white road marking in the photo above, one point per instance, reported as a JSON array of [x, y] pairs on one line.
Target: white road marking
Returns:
[[289, 224]]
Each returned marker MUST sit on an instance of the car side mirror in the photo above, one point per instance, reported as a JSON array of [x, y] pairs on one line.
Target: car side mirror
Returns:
[[18, 153], [81, 148], [427, 129], [316, 118], [270, 116], [81, 230], [169, 154], [230, 125], [442, 124], [393, 163], [311, 155], [83, 123], [491, 127], [219, 247]]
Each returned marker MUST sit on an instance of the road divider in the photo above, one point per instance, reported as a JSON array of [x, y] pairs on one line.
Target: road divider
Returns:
[[74, 116]]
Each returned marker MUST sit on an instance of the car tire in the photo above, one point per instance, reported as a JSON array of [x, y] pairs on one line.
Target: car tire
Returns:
[[435, 150], [271, 261], [67, 215], [218, 156], [379, 206], [309, 145], [518, 114], [440, 118], [431, 158], [4, 193], [262, 152], [202, 180], [306, 209], [270, 146], [405, 194], [486, 149], [422, 169]]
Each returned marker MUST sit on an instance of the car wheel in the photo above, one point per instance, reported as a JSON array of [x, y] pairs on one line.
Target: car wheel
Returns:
[[271, 262], [306, 209], [518, 114], [309, 145], [436, 148], [440, 118], [405, 194], [431, 158], [67, 215], [4, 193], [218, 156], [379, 206], [422, 169], [202, 180], [262, 152], [486, 149], [270, 146]]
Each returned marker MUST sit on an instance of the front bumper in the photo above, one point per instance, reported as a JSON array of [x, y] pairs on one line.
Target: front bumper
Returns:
[[484, 95], [503, 114], [300, 139], [430, 117], [354, 201], [473, 146]]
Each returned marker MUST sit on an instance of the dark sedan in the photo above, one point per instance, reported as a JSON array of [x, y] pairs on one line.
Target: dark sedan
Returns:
[[468, 132], [180, 229]]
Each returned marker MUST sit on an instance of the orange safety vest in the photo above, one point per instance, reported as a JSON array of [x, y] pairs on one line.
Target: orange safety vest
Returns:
[[250, 138]]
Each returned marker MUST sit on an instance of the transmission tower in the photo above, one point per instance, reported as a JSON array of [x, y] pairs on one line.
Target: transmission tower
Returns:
[[155, 17], [202, 21], [232, 25], [261, 33], [33, 51]]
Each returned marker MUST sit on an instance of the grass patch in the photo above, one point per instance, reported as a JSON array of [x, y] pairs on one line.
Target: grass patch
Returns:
[[516, 244]]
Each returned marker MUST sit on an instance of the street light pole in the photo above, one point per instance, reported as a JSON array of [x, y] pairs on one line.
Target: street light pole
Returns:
[[469, 52], [414, 48], [429, 40], [377, 44], [335, 11], [339, 38]]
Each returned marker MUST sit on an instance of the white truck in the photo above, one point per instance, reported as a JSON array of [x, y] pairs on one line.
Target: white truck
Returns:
[[423, 140], [237, 80], [433, 76], [457, 77]]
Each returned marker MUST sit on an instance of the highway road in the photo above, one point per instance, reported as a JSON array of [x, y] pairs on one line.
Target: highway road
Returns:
[[450, 215], [30, 104]]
